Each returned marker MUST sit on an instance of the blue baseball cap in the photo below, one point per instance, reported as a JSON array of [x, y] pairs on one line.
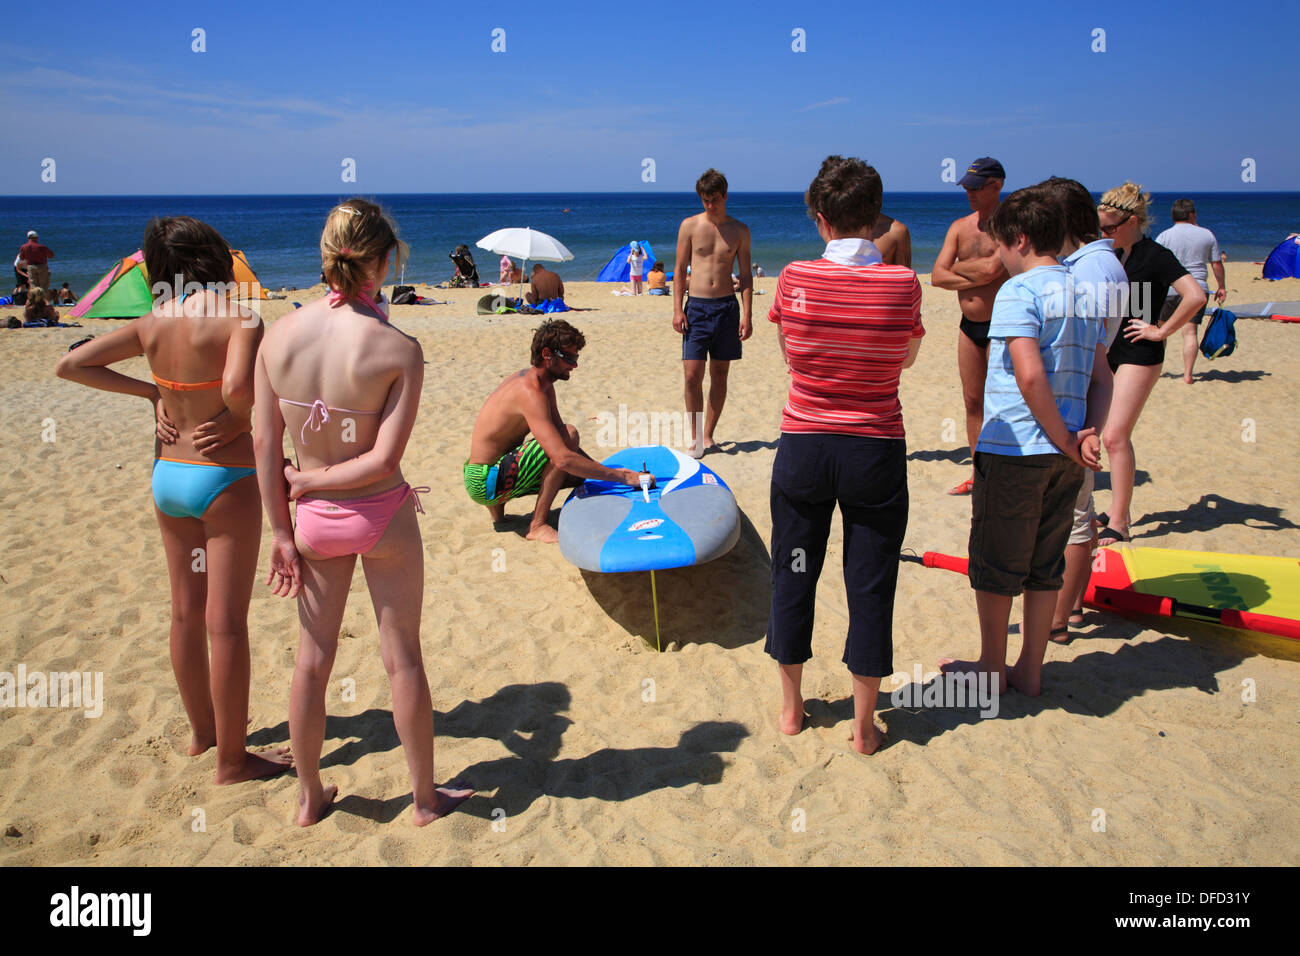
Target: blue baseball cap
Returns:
[[981, 171]]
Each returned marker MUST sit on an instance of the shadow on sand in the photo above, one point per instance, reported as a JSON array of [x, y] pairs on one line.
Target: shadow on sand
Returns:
[[958, 456], [1212, 511], [527, 719], [724, 602], [1094, 684], [1222, 375]]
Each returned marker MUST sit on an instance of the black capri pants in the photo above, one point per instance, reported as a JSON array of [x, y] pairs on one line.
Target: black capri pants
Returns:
[[867, 478]]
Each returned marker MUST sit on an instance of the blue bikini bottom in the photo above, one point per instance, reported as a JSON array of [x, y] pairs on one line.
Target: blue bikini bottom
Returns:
[[184, 489]]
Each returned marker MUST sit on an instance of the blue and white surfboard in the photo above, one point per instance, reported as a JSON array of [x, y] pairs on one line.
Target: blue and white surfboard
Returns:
[[691, 516]]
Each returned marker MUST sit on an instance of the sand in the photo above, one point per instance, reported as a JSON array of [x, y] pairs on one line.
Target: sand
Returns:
[[586, 746]]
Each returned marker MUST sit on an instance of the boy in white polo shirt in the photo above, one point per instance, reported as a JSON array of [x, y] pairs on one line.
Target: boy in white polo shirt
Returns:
[[1048, 380]]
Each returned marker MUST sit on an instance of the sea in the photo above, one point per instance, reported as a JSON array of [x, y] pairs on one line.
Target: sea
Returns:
[[280, 234]]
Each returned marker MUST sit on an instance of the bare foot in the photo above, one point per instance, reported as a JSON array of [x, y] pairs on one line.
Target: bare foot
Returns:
[[1030, 687], [791, 722], [873, 743], [948, 665], [1187, 380], [256, 766], [498, 512], [199, 745], [545, 533], [445, 799], [312, 810], [696, 450]]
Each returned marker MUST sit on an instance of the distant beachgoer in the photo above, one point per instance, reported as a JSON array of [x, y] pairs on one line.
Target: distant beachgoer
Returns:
[[969, 264], [507, 268], [712, 323], [346, 384], [36, 256], [1047, 391], [636, 267], [1196, 248], [505, 463], [1138, 353], [1100, 290], [20, 270], [204, 489], [66, 296], [466, 270], [39, 308], [545, 285], [657, 280], [842, 440], [758, 271]]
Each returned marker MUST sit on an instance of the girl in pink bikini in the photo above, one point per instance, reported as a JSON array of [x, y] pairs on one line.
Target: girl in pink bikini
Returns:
[[347, 386]]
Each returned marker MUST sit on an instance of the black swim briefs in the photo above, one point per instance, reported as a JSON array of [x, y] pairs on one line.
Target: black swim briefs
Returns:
[[977, 332]]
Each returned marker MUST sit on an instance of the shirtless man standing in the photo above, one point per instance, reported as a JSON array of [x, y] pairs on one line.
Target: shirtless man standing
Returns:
[[505, 463], [713, 324], [968, 264]]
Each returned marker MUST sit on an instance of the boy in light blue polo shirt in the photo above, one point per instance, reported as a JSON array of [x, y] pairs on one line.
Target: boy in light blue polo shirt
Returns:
[[1047, 374]]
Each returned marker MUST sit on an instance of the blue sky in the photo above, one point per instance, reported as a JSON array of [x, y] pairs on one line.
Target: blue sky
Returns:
[[584, 93]]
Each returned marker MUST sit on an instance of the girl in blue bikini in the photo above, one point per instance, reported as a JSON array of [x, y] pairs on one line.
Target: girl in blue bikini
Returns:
[[200, 347]]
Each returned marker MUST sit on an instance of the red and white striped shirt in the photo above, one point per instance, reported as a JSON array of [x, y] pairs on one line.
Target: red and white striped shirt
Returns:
[[847, 332]]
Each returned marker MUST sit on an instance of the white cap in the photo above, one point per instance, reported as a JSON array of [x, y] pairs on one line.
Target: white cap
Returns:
[[31, 233]]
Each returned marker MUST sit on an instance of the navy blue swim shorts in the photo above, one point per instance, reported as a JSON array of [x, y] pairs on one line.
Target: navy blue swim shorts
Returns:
[[712, 329]]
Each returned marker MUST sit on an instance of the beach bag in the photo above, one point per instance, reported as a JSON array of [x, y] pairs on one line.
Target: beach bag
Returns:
[[403, 295], [1220, 336]]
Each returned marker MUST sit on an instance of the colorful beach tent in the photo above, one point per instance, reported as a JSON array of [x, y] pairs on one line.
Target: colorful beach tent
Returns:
[[617, 270], [123, 292], [1281, 262]]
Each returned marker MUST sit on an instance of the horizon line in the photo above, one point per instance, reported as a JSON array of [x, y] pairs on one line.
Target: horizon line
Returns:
[[597, 192]]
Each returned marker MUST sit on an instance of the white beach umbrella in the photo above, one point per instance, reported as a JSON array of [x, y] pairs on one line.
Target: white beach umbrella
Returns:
[[525, 244]]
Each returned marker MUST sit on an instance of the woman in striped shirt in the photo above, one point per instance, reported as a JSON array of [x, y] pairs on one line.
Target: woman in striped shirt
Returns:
[[848, 326]]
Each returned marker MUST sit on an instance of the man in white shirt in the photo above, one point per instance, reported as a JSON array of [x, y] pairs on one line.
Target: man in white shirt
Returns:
[[1195, 248]]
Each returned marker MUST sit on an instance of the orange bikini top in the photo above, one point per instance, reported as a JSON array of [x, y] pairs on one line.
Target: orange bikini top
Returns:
[[187, 386]]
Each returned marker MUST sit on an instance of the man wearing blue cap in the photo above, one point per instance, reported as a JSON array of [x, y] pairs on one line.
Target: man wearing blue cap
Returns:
[[968, 264]]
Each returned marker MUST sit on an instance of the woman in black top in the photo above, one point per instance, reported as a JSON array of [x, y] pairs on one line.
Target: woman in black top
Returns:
[[1138, 353]]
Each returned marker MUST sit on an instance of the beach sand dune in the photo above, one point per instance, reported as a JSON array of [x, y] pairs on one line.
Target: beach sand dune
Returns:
[[588, 747]]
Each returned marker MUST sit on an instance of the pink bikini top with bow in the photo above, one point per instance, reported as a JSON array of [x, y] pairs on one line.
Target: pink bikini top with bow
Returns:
[[320, 412]]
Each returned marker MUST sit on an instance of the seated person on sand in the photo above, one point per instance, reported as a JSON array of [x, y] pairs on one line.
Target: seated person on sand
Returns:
[[466, 271], [66, 296], [546, 285], [39, 308], [657, 280], [504, 462]]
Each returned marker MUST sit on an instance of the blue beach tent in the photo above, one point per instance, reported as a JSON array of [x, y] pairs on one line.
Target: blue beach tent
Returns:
[[616, 270], [1281, 262]]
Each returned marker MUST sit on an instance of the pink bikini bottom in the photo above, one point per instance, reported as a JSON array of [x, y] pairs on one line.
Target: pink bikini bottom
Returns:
[[351, 525]]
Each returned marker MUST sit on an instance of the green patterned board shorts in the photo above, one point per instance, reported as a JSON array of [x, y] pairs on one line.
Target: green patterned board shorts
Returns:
[[517, 472]]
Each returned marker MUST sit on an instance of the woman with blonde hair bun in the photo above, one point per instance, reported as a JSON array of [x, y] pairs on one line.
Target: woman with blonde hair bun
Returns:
[[347, 384], [1138, 352]]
